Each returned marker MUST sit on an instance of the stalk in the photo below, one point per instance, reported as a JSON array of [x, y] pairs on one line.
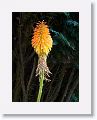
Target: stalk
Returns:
[[42, 43], [41, 79]]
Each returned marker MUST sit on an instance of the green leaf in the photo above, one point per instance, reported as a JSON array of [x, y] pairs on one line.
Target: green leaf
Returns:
[[60, 38]]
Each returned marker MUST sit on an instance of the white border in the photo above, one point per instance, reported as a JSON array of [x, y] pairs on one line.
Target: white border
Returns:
[[84, 104]]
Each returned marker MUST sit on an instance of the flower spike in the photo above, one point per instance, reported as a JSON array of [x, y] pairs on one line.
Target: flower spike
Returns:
[[42, 44]]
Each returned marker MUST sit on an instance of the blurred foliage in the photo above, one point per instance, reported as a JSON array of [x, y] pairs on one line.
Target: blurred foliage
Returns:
[[63, 60]]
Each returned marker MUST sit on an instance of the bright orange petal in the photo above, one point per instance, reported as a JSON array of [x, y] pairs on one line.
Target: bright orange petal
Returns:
[[42, 41]]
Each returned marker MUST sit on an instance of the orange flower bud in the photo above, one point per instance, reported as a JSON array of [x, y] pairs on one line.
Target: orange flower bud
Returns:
[[41, 40]]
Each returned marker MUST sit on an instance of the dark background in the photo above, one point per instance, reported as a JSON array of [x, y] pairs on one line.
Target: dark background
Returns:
[[63, 60]]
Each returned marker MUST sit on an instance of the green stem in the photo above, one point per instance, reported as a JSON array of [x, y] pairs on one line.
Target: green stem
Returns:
[[41, 79]]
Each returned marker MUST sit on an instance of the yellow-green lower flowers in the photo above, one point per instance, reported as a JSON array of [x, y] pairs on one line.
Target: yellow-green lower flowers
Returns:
[[42, 44]]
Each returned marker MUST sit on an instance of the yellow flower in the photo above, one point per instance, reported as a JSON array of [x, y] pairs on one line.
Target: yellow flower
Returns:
[[42, 44], [41, 40]]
